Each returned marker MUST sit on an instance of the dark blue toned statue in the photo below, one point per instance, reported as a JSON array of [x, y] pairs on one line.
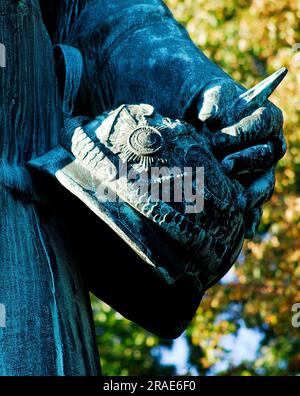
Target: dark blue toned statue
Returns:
[[87, 85]]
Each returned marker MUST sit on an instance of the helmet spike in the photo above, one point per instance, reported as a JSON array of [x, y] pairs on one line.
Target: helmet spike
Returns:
[[257, 96]]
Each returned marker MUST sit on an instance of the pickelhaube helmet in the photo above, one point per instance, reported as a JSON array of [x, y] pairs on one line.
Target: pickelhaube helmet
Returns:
[[156, 183]]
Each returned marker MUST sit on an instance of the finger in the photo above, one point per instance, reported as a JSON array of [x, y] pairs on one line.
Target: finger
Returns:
[[217, 97], [261, 190], [253, 159], [264, 122], [257, 158], [252, 221]]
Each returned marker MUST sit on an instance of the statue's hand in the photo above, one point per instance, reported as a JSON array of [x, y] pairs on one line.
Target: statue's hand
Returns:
[[249, 148]]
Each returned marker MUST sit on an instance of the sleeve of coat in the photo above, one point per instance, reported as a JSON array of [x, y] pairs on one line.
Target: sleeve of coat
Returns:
[[134, 52]]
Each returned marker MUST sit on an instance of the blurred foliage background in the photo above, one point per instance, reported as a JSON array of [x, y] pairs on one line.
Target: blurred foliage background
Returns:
[[250, 39]]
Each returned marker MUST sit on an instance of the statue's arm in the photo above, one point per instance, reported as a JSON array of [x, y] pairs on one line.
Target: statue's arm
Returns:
[[134, 52]]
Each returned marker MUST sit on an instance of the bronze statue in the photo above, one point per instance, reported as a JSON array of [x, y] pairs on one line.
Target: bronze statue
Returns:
[[148, 97]]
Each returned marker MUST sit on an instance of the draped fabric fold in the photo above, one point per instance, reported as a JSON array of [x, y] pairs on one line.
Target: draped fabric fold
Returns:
[[134, 52], [41, 284]]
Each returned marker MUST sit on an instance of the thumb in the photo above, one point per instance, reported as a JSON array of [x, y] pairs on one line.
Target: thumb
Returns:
[[217, 97]]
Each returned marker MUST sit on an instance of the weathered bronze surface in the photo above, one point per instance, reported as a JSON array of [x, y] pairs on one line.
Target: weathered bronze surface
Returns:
[[54, 247]]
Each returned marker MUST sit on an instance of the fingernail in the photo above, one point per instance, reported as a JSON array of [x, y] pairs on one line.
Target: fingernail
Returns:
[[205, 114]]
